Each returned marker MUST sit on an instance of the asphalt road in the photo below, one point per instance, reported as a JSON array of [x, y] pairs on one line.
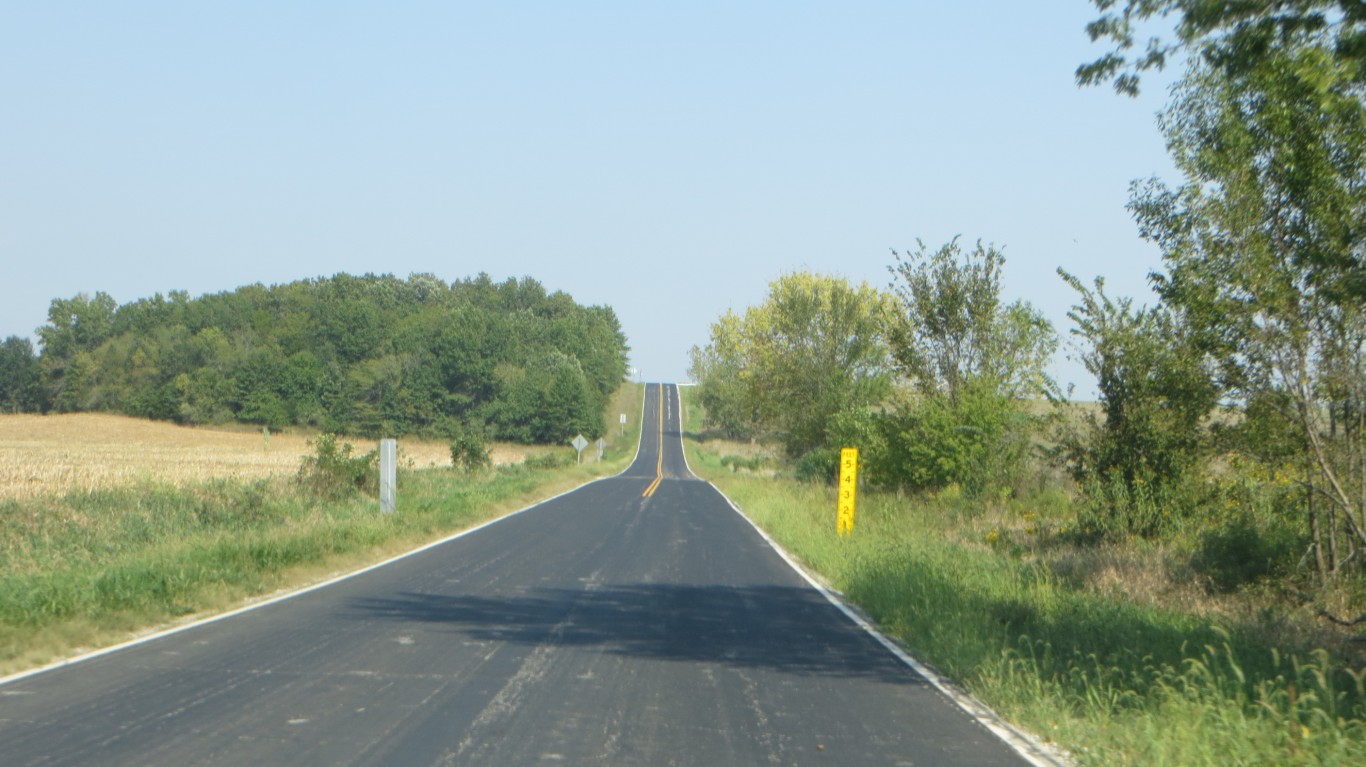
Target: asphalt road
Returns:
[[636, 621]]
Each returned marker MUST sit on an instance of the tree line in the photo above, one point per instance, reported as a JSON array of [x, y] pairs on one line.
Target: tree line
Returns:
[[1234, 402], [369, 355], [929, 377]]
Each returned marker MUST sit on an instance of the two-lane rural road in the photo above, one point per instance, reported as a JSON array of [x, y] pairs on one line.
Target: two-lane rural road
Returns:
[[636, 621]]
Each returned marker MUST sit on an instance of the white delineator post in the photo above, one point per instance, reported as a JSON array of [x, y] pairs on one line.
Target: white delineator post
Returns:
[[388, 474]]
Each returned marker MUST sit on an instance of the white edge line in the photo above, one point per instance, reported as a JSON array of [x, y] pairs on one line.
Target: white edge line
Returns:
[[683, 446], [71, 661], [1028, 747]]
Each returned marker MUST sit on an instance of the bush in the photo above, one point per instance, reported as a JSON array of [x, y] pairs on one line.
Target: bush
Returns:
[[333, 472], [548, 460], [736, 463], [1139, 458], [820, 465], [979, 442], [1242, 551], [468, 451]]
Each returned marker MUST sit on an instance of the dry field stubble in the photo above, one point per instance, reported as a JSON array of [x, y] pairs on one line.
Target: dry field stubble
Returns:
[[43, 455]]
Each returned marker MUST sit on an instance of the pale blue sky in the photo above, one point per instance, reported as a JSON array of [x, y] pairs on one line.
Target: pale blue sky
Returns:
[[668, 160]]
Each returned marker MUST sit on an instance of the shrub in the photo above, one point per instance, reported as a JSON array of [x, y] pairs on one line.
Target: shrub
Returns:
[[1243, 550], [548, 460], [737, 462], [468, 451], [820, 465], [1156, 394], [979, 442], [333, 472]]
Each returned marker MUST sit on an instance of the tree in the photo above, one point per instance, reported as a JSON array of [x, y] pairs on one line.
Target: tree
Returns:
[[1155, 395], [1232, 37], [970, 360], [721, 373], [549, 402], [468, 450], [21, 382], [952, 329], [814, 348], [1266, 256], [366, 354], [76, 326]]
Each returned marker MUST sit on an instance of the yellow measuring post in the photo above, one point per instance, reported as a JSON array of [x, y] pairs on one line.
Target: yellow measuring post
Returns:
[[848, 490]]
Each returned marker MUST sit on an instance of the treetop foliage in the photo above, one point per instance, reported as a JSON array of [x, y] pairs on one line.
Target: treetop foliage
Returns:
[[926, 378], [370, 355], [951, 327], [1231, 35], [815, 346]]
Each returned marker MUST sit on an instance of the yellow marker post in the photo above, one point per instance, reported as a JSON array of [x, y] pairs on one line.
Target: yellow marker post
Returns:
[[848, 490]]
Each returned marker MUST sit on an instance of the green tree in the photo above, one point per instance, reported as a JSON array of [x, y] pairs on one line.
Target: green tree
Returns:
[[721, 373], [550, 401], [21, 377], [814, 348], [1156, 395], [1266, 256], [1233, 37], [970, 359], [952, 329], [76, 327], [365, 354]]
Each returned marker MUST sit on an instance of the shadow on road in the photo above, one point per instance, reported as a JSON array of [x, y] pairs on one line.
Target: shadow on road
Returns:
[[792, 630]]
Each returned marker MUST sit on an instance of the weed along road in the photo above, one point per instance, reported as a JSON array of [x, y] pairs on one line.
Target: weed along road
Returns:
[[635, 621]]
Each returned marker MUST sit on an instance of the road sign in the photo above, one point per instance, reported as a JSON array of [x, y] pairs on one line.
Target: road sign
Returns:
[[848, 490], [579, 444]]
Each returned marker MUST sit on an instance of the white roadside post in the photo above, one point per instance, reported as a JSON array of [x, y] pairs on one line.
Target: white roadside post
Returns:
[[388, 474], [602, 445], [579, 444], [623, 424]]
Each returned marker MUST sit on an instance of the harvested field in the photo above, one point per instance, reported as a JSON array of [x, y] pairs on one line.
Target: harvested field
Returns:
[[57, 454]]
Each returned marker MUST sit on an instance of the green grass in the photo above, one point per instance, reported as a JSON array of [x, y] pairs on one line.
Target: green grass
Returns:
[[1114, 681], [86, 569]]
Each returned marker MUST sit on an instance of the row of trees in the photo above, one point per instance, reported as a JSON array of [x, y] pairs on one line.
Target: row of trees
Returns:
[[929, 378], [366, 355], [1264, 249], [1249, 368]]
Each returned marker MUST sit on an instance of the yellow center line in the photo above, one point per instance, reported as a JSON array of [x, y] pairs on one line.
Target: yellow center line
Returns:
[[659, 448]]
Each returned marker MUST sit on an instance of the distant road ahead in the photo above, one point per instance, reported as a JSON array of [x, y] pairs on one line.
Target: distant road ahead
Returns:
[[636, 621]]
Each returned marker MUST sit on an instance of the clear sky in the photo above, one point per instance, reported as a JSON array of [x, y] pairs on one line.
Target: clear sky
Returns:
[[666, 159]]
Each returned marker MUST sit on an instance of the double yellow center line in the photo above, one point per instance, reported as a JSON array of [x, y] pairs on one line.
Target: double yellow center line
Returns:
[[659, 447]]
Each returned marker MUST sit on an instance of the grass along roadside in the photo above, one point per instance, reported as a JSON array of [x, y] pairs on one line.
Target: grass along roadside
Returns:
[[1115, 681], [88, 569]]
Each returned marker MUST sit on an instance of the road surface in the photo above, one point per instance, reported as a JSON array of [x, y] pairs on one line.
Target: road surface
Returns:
[[636, 621]]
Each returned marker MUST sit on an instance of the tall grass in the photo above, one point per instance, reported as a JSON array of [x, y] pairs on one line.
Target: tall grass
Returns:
[[1113, 680]]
